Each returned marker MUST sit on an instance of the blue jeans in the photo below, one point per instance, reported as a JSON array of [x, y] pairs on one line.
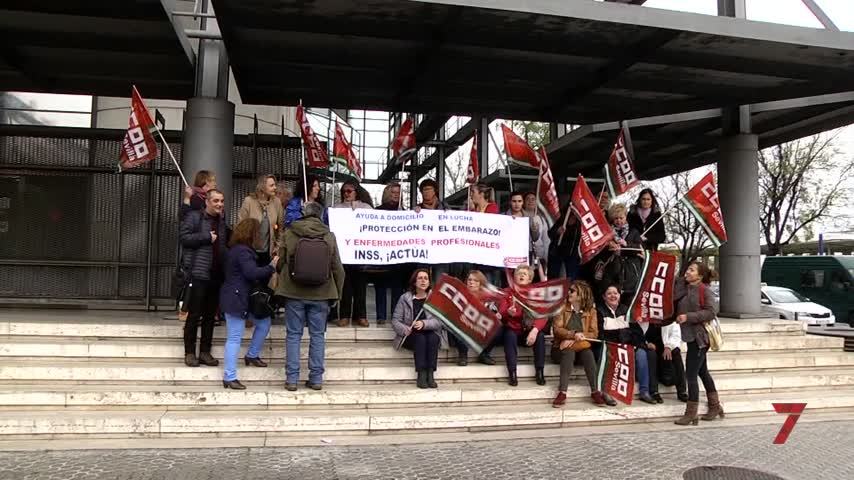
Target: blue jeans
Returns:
[[298, 314], [234, 326], [645, 374]]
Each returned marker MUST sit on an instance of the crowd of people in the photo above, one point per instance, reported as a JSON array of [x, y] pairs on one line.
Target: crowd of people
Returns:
[[282, 247]]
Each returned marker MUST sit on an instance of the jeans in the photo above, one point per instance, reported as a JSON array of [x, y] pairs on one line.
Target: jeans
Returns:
[[569, 263], [425, 345], [298, 314], [202, 302], [353, 298], [234, 326], [696, 366], [645, 374], [512, 340], [566, 359], [381, 286]]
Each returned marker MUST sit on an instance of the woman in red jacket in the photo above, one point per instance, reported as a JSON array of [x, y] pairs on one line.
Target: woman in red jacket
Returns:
[[519, 327], [481, 199]]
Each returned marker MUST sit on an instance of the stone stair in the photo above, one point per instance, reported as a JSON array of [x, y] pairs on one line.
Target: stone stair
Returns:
[[67, 375]]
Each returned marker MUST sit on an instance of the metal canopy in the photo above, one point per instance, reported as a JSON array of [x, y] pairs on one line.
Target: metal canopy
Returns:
[[551, 60], [93, 47]]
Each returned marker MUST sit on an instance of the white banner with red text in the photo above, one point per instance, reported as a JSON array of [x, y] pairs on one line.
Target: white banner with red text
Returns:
[[381, 237]]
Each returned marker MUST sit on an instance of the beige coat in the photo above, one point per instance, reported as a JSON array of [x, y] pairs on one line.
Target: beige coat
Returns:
[[254, 208]]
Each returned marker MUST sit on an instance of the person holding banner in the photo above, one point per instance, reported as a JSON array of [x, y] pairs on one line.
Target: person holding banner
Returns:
[[695, 308], [391, 277], [628, 251], [480, 200], [539, 238], [517, 210], [353, 305], [572, 329], [417, 330], [614, 327], [194, 197], [293, 211], [645, 216], [476, 283], [564, 237], [263, 205], [520, 327]]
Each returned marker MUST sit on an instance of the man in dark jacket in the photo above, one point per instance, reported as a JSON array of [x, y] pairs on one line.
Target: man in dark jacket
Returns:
[[203, 235], [307, 302]]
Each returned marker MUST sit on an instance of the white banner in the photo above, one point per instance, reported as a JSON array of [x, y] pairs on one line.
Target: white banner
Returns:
[[381, 237]]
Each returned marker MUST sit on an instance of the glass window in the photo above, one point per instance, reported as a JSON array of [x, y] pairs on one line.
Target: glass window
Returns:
[[784, 295], [812, 278]]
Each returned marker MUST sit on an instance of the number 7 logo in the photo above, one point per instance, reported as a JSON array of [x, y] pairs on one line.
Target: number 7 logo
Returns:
[[793, 412]]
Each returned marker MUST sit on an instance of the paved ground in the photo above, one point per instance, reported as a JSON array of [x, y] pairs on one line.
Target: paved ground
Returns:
[[821, 450]]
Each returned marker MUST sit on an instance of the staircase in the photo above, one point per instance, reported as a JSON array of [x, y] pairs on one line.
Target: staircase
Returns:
[[90, 375]]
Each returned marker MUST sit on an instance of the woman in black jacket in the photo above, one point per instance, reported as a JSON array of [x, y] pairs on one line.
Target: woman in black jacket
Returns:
[[646, 212], [564, 253]]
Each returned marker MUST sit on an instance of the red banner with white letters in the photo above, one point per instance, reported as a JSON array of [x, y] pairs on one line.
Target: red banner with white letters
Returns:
[[518, 150], [473, 173], [343, 152], [403, 145], [541, 300], [548, 203], [702, 201], [620, 174], [653, 300], [138, 146], [596, 232], [617, 372], [462, 312], [315, 153]]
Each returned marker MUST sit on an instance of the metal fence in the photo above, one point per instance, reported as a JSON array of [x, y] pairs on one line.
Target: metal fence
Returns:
[[73, 228]]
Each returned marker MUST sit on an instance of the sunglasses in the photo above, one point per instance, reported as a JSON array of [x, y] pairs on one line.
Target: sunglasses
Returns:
[[348, 190]]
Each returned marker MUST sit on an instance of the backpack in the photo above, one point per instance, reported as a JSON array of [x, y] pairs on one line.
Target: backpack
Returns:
[[713, 328], [309, 264]]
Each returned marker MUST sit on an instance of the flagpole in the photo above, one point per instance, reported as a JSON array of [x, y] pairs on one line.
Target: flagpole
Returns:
[[658, 220], [172, 156], [302, 163], [503, 158]]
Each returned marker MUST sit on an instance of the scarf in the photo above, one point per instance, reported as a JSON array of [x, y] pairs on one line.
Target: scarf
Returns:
[[622, 232], [644, 213]]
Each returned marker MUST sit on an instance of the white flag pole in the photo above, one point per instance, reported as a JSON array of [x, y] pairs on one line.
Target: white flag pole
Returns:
[[502, 157], [172, 156]]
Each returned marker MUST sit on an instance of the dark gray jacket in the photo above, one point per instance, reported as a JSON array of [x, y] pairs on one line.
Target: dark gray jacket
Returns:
[[195, 233]]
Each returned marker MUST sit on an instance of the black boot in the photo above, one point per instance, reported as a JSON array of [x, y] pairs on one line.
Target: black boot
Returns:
[[513, 381], [541, 377], [431, 382], [422, 379]]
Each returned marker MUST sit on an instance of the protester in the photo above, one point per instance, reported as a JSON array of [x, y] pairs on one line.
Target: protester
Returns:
[[672, 371], [353, 305], [284, 193], [629, 256], [694, 304], [294, 209], [391, 277], [539, 238], [519, 327], [614, 327], [650, 337], [263, 205], [311, 277], [241, 272], [571, 329], [481, 199], [563, 252], [417, 330], [430, 196], [517, 210], [194, 197], [476, 283], [645, 213], [202, 235]]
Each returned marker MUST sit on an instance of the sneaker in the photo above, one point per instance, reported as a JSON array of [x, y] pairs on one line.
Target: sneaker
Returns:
[[291, 387], [313, 386], [598, 398], [560, 400]]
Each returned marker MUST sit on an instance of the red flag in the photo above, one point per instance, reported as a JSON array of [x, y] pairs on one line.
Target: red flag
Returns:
[[315, 153], [653, 301], [343, 152], [474, 168], [595, 230], [617, 372], [462, 312], [138, 146], [518, 149], [541, 300], [702, 201], [547, 202], [403, 145], [620, 174]]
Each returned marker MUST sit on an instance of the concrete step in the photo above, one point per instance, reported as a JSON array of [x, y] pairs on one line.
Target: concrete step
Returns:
[[164, 422], [157, 371], [212, 395]]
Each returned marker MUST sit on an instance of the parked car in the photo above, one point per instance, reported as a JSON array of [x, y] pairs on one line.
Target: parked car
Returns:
[[828, 280], [791, 305]]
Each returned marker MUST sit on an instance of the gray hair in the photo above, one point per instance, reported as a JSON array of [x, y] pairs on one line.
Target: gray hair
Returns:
[[312, 209]]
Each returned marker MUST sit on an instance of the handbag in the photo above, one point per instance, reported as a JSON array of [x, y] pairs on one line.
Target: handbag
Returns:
[[713, 328], [261, 301]]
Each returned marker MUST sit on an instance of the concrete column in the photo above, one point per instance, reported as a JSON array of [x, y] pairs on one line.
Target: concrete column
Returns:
[[738, 192], [209, 140]]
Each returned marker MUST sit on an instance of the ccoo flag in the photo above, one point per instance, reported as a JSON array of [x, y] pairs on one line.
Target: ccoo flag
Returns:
[[518, 150], [617, 372], [702, 201], [316, 155], [596, 232], [403, 145], [540, 300], [620, 174], [473, 173], [547, 201], [653, 300], [342, 153], [138, 146], [462, 312]]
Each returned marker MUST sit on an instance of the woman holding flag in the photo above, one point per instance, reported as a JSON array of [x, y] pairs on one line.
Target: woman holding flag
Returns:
[[519, 326], [294, 209], [645, 216]]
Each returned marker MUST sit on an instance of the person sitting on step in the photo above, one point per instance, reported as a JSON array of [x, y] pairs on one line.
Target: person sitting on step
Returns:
[[476, 283], [417, 330], [241, 272], [520, 327], [572, 328]]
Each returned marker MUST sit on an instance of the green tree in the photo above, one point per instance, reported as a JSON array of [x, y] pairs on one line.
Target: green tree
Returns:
[[535, 133]]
